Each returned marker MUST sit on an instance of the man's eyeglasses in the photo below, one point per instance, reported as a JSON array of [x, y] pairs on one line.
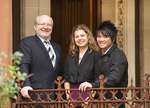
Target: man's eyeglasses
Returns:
[[48, 25]]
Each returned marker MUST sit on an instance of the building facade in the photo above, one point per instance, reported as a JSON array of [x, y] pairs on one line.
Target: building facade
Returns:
[[130, 16]]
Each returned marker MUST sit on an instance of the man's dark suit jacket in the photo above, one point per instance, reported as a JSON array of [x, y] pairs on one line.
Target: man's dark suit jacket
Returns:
[[36, 61], [87, 70]]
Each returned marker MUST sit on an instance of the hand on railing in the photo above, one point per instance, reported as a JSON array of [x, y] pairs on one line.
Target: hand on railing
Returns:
[[24, 91], [83, 86]]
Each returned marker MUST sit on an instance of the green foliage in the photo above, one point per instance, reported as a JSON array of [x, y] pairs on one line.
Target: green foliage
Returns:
[[8, 86]]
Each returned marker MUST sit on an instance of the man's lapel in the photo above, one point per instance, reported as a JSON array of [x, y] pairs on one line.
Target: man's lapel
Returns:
[[43, 49]]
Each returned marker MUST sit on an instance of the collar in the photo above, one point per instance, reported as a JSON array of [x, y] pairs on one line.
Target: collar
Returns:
[[110, 50], [106, 50], [42, 39]]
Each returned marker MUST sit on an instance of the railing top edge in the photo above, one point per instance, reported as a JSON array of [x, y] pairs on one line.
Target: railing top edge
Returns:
[[123, 88]]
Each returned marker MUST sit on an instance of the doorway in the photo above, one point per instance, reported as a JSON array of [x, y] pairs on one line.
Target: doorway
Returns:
[[68, 13]]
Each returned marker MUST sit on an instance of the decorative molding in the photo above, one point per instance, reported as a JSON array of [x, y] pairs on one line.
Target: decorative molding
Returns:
[[120, 23]]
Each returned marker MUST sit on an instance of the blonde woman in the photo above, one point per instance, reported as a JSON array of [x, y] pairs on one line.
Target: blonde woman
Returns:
[[82, 60]]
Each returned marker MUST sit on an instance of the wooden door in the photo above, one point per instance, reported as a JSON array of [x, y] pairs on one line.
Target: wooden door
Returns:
[[68, 13]]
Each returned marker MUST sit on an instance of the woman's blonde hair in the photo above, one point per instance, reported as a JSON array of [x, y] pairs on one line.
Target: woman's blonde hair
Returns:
[[91, 40]]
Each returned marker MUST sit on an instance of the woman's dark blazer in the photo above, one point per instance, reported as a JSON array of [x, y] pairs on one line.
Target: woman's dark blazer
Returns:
[[87, 70], [36, 61]]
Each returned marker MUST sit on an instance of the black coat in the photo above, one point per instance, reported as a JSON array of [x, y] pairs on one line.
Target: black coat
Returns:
[[87, 70], [114, 66]]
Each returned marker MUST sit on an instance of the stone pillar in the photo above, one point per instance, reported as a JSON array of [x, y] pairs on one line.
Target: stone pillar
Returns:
[[125, 22], [122, 14], [129, 34], [6, 33], [29, 10], [144, 28]]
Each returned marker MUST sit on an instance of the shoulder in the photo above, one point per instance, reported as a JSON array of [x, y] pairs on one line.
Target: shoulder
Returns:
[[95, 53], [27, 43], [118, 51], [29, 39], [119, 54]]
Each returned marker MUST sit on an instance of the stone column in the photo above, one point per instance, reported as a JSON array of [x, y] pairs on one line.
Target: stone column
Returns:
[[6, 33], [125, 22], [144, 30], [122, 14], [29, 10], [129, 34]]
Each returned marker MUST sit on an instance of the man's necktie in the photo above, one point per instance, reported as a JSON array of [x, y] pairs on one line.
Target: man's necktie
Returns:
[[50, 52]]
